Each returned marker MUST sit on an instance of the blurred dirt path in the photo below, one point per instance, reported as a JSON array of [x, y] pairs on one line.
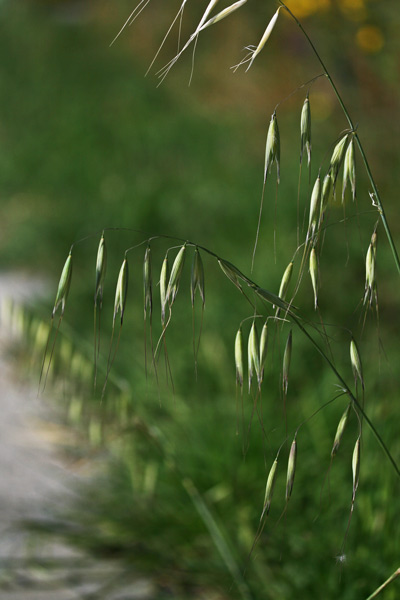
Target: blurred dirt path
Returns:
[[32, 476]]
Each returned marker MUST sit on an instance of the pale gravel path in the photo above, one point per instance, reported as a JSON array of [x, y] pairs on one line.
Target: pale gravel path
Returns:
[[32, 474]]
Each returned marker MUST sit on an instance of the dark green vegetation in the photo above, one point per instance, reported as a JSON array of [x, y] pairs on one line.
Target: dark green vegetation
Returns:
[[88, 143]]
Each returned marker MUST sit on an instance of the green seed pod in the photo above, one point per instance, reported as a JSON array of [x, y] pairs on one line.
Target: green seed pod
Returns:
[[197, 277], [63, 286], [147, 283], [263, 344], [349, 170], [291, 471], [272, 148], [253, 355], [285, 281], [121, 290], [305, 131], [337, 159], [101, 266], [164, 278], [314, 275], [269, 489], [356, 465], [176, 272], [287, 357], [340, 430], [315, 207], [356, 362], [326, 193], [239, 357]]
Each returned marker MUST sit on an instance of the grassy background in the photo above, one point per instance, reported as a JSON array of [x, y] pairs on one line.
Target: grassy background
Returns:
[[88, 143]]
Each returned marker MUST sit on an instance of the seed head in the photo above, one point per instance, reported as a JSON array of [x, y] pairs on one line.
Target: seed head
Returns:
[[269, 489], [164, 278], [239, 357], [314, 275], [197, 277], [285, 281], [147, 283], [272, 148], [349, 170], [340, 430], [121, 291], [356, 465], [175, 277], [291, 471], [356, 362], [315, 207], [326, 193], [305, 131], [253, 354], [337, 159], [101, 266], [63, 286]]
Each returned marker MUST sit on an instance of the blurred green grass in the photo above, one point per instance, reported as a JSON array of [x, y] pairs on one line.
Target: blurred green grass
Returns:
[[88, 143]]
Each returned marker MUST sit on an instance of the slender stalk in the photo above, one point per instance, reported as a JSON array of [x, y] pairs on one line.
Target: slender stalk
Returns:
[[385, 584], [376, 195]]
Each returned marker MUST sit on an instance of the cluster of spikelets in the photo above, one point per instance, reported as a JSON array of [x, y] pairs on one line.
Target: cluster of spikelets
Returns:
[[323, 190]]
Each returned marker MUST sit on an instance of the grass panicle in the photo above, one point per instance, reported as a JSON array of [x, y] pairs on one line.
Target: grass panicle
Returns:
[[222, 14]]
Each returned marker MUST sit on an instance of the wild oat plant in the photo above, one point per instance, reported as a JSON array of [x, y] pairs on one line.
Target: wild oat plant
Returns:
[[275, 320]]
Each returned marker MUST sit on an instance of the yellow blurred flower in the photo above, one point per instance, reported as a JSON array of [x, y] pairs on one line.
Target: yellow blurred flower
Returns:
[[353, 9], [370, 38], [304, 8]]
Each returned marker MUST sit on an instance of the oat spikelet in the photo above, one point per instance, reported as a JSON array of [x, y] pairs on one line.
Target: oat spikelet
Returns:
[[239, 357], [263, 346], [63, 286], [101, 266], [164, 278], [287, 357], [314, 275], [147, 284], [264, 38], [349, 170], [326, 194], [285, 281], [121, 291], [175, 277], [224, 13], [197, 277], [272, 148], [291, 470], [315, 207], [305, 130], [356, 465], [356, 362], [340, 430], [370, 280], [269, 489], [253, 355], [337, 159]]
